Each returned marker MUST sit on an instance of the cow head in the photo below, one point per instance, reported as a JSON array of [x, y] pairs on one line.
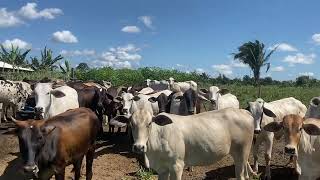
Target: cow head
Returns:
[[257, 110], [293, 127], [126, 99], [141, 123], [213, 94], [32, 137], [164, 102], [43, 96], [190, 97]]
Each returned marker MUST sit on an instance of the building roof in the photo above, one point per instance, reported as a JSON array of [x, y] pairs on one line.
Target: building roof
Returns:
[[9, 66]]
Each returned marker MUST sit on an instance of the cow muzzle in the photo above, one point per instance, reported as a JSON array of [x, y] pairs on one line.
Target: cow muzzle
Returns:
[[290, 150], [31, 169], [139, 148]]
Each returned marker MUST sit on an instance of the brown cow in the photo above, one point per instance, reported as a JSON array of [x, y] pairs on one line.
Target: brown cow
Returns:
[[48, 146]]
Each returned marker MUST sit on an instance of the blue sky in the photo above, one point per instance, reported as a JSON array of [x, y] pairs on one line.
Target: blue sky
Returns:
[[181, 34]]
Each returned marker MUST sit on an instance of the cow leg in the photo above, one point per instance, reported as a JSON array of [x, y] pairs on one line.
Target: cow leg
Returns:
[[267, 155], [60, 175], [255, 152], [177, 170], [240, 157], [77, 168], [4, 112], [89, 161], [163, 175]]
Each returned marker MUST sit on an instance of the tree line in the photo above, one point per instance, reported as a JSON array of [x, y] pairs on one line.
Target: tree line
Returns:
[[254, 54]]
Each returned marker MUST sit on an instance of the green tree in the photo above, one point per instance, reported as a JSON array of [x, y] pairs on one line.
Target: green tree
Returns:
[[66, 70], [82, 67], [47, 61], [14, 56], [255, 55]]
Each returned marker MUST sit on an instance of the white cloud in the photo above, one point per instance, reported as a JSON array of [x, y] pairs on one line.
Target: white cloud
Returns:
[[147, 21], [26, 12], [119, 57], [223, 69], [306, 74], [85, 52], [316, 38], [131, 29], [199, 70], [29, 11], [300, 58], [278, 69], [283, 47], [64, 37], [8, 19], [16, 43], [180, 65], [238, 64]]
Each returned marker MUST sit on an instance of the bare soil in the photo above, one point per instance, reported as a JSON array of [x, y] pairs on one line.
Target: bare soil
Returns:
[[114, 160]]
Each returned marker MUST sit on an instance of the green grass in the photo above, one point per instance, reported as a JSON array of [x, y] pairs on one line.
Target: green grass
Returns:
[[246, 94], [143, 174]]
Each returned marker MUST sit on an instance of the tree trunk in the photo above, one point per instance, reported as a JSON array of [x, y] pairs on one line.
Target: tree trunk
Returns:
[[259, 90]]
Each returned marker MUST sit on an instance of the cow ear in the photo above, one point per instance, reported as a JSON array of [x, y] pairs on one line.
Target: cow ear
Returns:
[[273, 126], [136, 98], [204, 91], [48, 129], [179, 97], [117, 99], [152, 99], [223, 91], [269, 112], [57, 93], [311, 128], [162, 120], [120, 121]]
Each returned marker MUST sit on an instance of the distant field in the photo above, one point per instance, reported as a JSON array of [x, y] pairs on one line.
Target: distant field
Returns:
[[271, 93]]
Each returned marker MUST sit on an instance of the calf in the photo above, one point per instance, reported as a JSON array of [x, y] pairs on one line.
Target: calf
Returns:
[[171, 142], [48, 146], [264, 113], [302, 141]]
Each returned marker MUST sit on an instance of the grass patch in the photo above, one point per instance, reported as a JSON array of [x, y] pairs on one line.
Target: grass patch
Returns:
[[144, 174]]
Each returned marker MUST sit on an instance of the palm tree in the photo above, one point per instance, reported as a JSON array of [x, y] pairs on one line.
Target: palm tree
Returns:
[[66, 70], [14, 56], [47, 62], [255, 56]]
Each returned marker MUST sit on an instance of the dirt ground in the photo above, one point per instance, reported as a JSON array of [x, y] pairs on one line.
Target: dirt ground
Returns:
[[114, 160]]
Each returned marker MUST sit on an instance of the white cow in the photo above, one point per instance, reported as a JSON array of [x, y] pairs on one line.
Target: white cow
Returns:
[[260, 111], [51, 101], [172, 142], [182, 86], [219, 98], [14, 94], [302, 141], [314, 108], [157, 85]]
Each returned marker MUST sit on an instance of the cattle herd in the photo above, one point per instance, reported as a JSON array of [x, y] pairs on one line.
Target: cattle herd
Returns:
[[164, 121]]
